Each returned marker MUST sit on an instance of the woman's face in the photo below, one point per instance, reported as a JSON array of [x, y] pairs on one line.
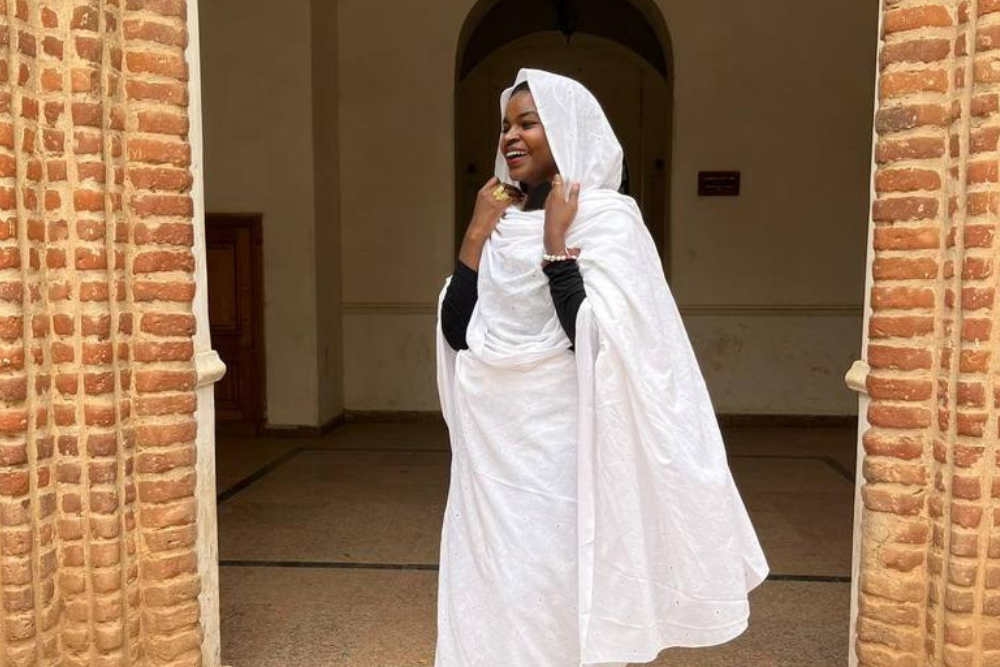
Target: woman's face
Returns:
[[523, 142]]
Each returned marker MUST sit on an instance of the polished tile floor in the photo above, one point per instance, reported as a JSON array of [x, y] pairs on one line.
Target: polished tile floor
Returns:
[[328, 547]]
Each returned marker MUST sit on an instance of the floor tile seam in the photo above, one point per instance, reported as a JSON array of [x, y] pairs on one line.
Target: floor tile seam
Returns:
[[418, 450], [825, 458], [347, 565], [328, 565], [257, 475]]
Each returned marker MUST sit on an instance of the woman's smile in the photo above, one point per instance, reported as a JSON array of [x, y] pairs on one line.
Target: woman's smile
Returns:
[[515, 158]]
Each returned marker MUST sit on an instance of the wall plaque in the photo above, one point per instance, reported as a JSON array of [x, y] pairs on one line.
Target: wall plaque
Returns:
[[718, 184]]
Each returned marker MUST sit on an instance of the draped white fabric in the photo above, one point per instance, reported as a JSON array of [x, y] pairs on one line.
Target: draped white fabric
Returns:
[[592, 518]]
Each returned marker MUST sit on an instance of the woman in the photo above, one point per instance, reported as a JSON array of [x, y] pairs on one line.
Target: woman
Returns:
[[592, 518]]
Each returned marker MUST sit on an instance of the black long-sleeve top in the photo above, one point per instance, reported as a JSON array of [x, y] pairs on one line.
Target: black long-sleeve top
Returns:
[[565, 285], [458, 304]]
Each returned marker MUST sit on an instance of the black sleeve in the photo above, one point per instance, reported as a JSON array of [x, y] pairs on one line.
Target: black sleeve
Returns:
[[459, 302], [568, 292]]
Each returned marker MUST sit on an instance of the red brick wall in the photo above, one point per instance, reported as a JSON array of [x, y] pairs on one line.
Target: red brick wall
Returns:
[[930, 563], [97, 508]]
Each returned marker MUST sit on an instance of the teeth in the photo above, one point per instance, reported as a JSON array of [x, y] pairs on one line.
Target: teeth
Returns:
[[516, 154]]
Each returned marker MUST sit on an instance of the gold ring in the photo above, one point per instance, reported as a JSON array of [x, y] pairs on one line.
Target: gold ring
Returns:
[[500, 193]]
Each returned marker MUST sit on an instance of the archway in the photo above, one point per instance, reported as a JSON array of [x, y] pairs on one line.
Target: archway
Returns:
[[618, 51]]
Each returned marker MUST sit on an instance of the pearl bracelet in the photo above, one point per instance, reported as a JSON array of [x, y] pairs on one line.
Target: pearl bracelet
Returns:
[[558, 258]]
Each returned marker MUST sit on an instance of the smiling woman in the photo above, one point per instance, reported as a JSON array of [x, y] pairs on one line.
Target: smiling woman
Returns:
[[592, 519], [525, 149]]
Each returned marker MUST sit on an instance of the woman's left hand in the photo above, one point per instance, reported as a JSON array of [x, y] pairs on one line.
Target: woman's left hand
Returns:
[[559, 214]]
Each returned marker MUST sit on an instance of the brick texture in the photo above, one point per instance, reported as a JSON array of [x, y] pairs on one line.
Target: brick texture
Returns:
[[98, 562], [929, 592]]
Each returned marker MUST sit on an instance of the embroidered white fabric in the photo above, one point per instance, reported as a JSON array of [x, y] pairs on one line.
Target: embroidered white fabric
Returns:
[[592, 519]]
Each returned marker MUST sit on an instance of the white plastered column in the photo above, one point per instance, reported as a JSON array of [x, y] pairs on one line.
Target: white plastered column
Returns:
[[209, 369]]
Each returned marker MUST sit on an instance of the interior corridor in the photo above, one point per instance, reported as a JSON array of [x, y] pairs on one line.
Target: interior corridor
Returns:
[[357, 515]]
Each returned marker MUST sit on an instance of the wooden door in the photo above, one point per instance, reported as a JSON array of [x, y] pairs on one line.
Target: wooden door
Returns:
[[235, 311]]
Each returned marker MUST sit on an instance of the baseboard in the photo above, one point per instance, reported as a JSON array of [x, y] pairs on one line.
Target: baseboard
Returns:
[[759, 420], [393, 416], [302, 431], [802, 421]]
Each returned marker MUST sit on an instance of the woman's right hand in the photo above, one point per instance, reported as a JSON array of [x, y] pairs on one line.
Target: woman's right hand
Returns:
[[484, 219], [488, 209]]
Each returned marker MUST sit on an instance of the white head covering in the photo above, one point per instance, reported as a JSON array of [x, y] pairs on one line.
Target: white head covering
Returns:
[[580, 137]]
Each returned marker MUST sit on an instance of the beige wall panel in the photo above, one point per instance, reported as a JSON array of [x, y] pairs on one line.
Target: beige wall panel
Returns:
[[770, 98], [397, 147], [259, 157], [776, 364], [390, 362], [749, 365]]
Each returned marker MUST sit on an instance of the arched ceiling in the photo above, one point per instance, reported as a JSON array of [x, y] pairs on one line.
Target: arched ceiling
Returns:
[[617, 20]]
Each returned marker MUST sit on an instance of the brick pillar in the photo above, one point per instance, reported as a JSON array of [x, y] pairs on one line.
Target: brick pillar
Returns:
[[97, 509], [930, 540]]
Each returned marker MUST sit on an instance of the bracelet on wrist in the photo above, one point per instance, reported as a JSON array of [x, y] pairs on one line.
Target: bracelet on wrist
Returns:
[[564, 256]]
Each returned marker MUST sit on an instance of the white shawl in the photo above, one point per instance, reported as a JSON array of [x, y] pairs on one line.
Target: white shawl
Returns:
[[667, 553]]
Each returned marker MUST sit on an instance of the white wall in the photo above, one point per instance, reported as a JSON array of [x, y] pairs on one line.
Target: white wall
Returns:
[[256, 69], [770, 283]]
